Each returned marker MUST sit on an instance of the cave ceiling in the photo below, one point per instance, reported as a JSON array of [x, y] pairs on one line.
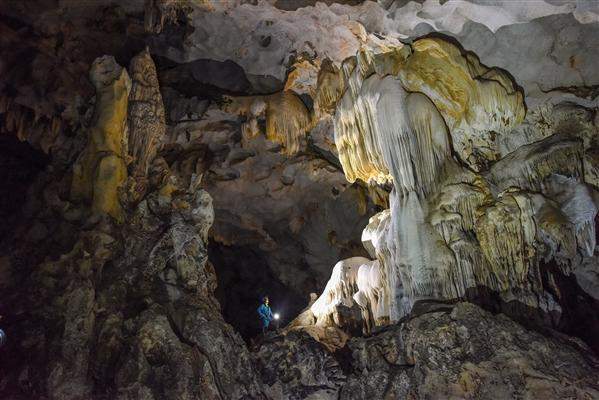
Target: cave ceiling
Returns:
[[293, 202]]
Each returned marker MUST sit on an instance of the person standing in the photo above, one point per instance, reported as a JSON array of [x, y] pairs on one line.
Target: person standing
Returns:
[[265, 314], [2, 336]]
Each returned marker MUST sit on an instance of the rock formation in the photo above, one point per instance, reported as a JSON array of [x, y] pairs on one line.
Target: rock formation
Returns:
[[128, 311], [454, 224], [425, 172], [101, 168], [146, 114], [456, 351]]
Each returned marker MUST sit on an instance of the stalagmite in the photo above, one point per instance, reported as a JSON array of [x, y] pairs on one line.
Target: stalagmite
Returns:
[[339, 289], [101, 168], [372, 294], [146, 113]]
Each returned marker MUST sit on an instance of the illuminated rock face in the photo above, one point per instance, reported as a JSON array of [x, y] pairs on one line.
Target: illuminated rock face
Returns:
[[339, 290], [286, 116], [457, 351], [425, 119], [101, 168]]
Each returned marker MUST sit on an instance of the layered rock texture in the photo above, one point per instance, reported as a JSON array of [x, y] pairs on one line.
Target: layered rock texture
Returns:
[[425, 172]]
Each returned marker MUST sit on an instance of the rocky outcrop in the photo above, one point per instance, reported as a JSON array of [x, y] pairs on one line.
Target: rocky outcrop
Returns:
[[130, 313], [178, 345], [127, 310], [296, 366], [447, 351]]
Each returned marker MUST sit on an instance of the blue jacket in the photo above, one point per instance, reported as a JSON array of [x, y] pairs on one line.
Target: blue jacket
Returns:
[[265, 314]]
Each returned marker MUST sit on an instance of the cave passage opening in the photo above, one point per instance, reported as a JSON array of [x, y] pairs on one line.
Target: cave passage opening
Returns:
[[244, 277]]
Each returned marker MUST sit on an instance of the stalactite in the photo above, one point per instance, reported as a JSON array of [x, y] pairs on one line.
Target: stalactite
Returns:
[[329, 88], [530, 165], [287, 118], [472, 98], [507, 231]]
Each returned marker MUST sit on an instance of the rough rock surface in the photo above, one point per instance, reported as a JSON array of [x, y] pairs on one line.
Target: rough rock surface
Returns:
[[146, 115], [296, 366], [462, 221], [118, 310], [446, 352], [101, 169]]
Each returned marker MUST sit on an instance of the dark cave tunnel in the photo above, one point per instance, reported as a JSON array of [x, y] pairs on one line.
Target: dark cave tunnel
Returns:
[[19, 165], [243, 279]]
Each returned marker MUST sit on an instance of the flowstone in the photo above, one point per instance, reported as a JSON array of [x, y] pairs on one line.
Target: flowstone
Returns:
[[462, 221]]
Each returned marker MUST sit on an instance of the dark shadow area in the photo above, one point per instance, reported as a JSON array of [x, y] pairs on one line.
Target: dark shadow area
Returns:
[[212, 79], [208, 77], [19, 165], [291, 5], [579, 312], [243, 278]]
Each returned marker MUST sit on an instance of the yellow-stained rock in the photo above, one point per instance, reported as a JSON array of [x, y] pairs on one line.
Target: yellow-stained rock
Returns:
[[472, 98], [330, 88], [111, 172], [303, 77], [475, 102], [506, 231], [287, 118], [101, 169]]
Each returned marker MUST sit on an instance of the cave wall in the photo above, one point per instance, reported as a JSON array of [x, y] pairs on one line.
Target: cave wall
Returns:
[[203, 151]]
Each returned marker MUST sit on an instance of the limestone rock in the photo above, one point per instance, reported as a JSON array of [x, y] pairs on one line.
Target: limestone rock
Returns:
[[130, 309], [450, 231], [468, 198], [297, 367], [339, 290], [286, 116], [101, 168], [145, 114], [475, 355], [459, 351]]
